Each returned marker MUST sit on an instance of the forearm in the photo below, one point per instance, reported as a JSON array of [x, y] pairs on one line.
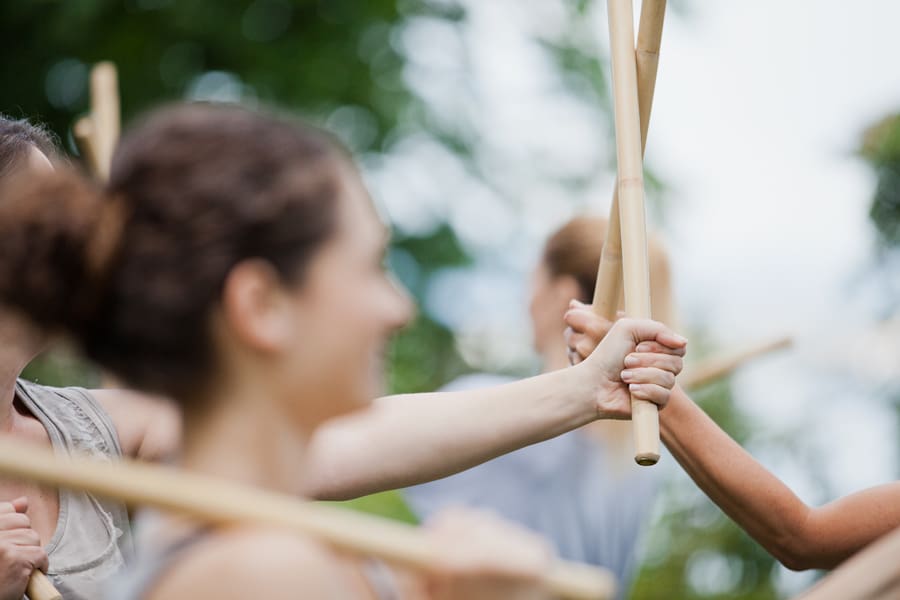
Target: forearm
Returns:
[[748, 493], [409, 439], [799, 536]]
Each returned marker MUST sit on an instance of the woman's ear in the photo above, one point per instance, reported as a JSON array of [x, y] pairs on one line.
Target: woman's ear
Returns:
[[256, 306]]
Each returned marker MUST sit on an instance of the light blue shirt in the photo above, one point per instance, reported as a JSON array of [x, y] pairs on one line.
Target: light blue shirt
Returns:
[[567, 489]]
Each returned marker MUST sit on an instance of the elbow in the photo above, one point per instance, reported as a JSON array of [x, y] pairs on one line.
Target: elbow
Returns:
[[798, 553], [793, 560]]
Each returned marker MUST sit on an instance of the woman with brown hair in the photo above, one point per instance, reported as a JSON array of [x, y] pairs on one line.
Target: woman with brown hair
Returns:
[[233, 263], [581, 490]]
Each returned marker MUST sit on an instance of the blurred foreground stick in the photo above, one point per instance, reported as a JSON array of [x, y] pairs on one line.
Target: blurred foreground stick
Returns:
[[220, 502]]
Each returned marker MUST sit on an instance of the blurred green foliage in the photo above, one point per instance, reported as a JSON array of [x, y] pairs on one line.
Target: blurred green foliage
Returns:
[[881, 149]]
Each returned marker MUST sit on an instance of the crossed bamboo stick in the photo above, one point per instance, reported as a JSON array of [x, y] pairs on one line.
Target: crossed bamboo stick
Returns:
[[624, 257]]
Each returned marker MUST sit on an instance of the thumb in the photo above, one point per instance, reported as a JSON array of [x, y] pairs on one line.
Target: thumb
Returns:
[[20, 505]]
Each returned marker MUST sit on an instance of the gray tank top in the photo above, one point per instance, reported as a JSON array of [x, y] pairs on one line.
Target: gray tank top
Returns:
[[92, 540]]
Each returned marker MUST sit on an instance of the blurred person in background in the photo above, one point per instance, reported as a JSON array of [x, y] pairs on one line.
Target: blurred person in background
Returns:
[[580, 490]]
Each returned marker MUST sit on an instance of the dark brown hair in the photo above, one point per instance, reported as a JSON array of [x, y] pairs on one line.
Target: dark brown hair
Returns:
[[133, 271], [575, 248], [17, 137]]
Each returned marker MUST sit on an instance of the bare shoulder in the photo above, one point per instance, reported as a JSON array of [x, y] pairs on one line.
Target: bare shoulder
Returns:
[[256, 564]]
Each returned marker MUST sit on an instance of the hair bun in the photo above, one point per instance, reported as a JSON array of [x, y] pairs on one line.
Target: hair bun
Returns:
[[56, 240]]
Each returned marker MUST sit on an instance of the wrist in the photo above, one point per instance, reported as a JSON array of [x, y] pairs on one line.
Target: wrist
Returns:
[[675, 410], [584, 391]]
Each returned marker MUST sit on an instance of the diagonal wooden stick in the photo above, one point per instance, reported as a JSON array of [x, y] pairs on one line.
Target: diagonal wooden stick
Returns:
[[221, 502], [630, 184], [714, 368]]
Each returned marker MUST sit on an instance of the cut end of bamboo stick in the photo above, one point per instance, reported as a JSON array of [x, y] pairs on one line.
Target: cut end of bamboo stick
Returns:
[[646, 460], [645, 417]]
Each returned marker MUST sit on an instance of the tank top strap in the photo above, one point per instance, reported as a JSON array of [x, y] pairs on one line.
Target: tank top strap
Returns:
[[78, 421]]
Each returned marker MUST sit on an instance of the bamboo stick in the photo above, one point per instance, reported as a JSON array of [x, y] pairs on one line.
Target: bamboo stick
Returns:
[[872, 574], [98, 133], [105, 114], [609, 275], [633, 227], [709, 370], [40, 588], [83, 131], [221, 502]]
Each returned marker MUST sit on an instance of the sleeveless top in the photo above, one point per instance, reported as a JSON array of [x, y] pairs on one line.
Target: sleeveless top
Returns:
[[562, 488], [139, 578], [92, 539]]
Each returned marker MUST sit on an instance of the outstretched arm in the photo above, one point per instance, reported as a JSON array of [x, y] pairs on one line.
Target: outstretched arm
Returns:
[[799, 536], [148, 426], [409, 439]]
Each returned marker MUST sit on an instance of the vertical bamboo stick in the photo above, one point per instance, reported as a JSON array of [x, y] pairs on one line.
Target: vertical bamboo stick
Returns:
[[83, 131], [631, 205], [105, 114], [609, 275], [98, 133]]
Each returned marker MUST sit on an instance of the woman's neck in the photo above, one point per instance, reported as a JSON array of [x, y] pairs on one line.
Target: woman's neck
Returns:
[[13, 359], [246, 439]]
